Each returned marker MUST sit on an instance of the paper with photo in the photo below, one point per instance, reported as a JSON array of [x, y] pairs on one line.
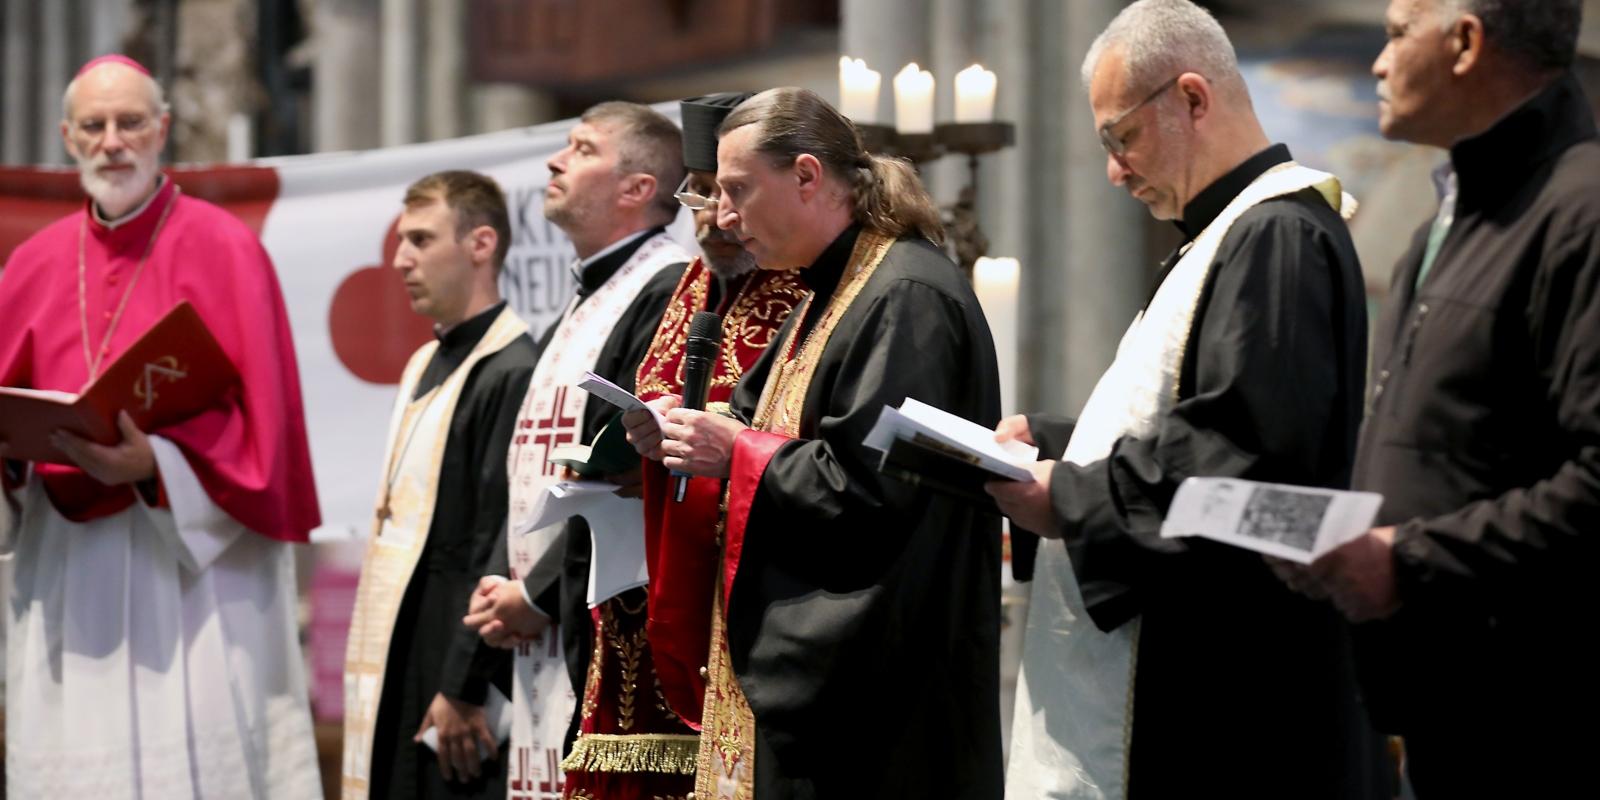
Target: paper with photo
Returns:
[[1295, 523], [616, 533]]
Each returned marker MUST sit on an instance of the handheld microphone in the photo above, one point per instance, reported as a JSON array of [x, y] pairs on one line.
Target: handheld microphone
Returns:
[[699, 359]]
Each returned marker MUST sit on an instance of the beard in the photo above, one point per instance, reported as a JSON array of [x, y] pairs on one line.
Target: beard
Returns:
[[724, 266], [118, 192], [562, 213], [573, 211]]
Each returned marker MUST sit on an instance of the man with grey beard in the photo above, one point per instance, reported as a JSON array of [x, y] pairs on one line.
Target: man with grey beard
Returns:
[[151, 649], [680, 532]]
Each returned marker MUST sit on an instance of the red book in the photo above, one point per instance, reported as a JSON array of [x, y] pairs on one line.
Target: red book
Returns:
[[173, 372]]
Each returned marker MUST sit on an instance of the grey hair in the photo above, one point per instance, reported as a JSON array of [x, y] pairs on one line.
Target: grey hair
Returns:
[[1543, 34], [1161, 39], [647, 142], [158, 97]]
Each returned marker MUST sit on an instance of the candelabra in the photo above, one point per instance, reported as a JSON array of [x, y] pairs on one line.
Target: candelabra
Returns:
[[916, 138]]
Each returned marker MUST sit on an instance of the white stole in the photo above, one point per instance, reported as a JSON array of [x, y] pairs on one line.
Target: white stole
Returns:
[[1074, 710], [542, 696], [418, 432]]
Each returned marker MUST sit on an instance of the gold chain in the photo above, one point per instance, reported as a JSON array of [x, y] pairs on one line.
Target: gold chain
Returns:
[[90, 358]]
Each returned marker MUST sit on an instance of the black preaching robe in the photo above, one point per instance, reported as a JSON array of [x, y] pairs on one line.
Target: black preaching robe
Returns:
[[559, 582], [1235, 670], [431, 652], [865, 616]]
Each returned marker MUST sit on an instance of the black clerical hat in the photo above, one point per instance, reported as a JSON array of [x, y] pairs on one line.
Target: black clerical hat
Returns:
[[701, 116]]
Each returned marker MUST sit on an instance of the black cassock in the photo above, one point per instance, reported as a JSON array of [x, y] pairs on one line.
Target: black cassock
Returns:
[[431, 652], [1243, 689], [559, 582], [864, 619]]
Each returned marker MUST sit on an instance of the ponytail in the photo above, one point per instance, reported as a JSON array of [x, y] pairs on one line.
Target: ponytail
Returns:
[[887, 195]]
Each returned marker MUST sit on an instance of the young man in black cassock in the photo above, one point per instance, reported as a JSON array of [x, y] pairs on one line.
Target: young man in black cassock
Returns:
[[442, 509]]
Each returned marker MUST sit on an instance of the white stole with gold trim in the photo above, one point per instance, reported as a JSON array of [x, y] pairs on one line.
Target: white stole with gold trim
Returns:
[[418, 432]]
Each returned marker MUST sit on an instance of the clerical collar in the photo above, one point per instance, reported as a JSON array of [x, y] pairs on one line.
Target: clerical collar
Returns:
[[467, 332], [136, 213], [594, 271], [823, 276], [1502, 157], [1209, 203], [725, 289]]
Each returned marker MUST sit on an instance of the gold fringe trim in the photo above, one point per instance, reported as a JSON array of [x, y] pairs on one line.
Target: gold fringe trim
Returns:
[[668, 753]]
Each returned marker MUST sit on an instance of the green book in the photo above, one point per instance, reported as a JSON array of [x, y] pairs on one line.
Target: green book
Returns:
[[609, 453]]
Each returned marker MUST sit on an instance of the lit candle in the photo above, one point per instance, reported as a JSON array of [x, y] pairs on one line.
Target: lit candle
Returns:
[[975, 95], [913, 100], [995, 281], [858, 90]]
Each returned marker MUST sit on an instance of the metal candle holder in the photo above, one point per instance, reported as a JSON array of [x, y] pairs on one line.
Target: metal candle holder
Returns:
[[971, 139]]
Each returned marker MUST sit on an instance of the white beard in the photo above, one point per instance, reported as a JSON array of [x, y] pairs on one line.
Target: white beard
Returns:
[[119, 192]]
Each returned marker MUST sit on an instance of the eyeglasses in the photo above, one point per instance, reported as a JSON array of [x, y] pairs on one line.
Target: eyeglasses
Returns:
[[694, 201], [126, 125], [1112, 142]]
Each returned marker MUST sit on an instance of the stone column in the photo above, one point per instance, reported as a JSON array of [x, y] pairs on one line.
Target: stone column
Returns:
[[1085, 273], [996, 28], [104, 22], [445, 75], [501, 106], [952, 46], [55, 52], [17, 127], [345, 85], [400, 75], [887, 34], [1004, 178], [217, 77]]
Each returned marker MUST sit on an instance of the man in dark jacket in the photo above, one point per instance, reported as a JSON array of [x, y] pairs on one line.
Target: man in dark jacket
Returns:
[[1483, 419]]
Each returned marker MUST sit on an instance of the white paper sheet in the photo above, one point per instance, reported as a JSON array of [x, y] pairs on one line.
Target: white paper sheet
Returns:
[[1295, 523], [494, 716], [616, 533], [617, 396], [918, 421]]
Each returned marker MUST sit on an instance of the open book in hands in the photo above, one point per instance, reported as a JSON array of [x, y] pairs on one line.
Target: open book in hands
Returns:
[[926, 446], [174, 371], [617, 396], [608, 454]]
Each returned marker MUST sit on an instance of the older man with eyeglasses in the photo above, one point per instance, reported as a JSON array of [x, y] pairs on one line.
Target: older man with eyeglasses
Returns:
[[151, 649], [1183, 668]]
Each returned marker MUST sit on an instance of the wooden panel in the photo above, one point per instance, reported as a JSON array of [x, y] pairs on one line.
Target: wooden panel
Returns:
[[563, 43]]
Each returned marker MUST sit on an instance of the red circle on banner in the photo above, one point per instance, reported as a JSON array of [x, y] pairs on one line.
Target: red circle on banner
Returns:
[[370, 320]]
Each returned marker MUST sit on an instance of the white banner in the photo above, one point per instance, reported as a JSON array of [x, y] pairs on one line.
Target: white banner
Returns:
[[331, 235]]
